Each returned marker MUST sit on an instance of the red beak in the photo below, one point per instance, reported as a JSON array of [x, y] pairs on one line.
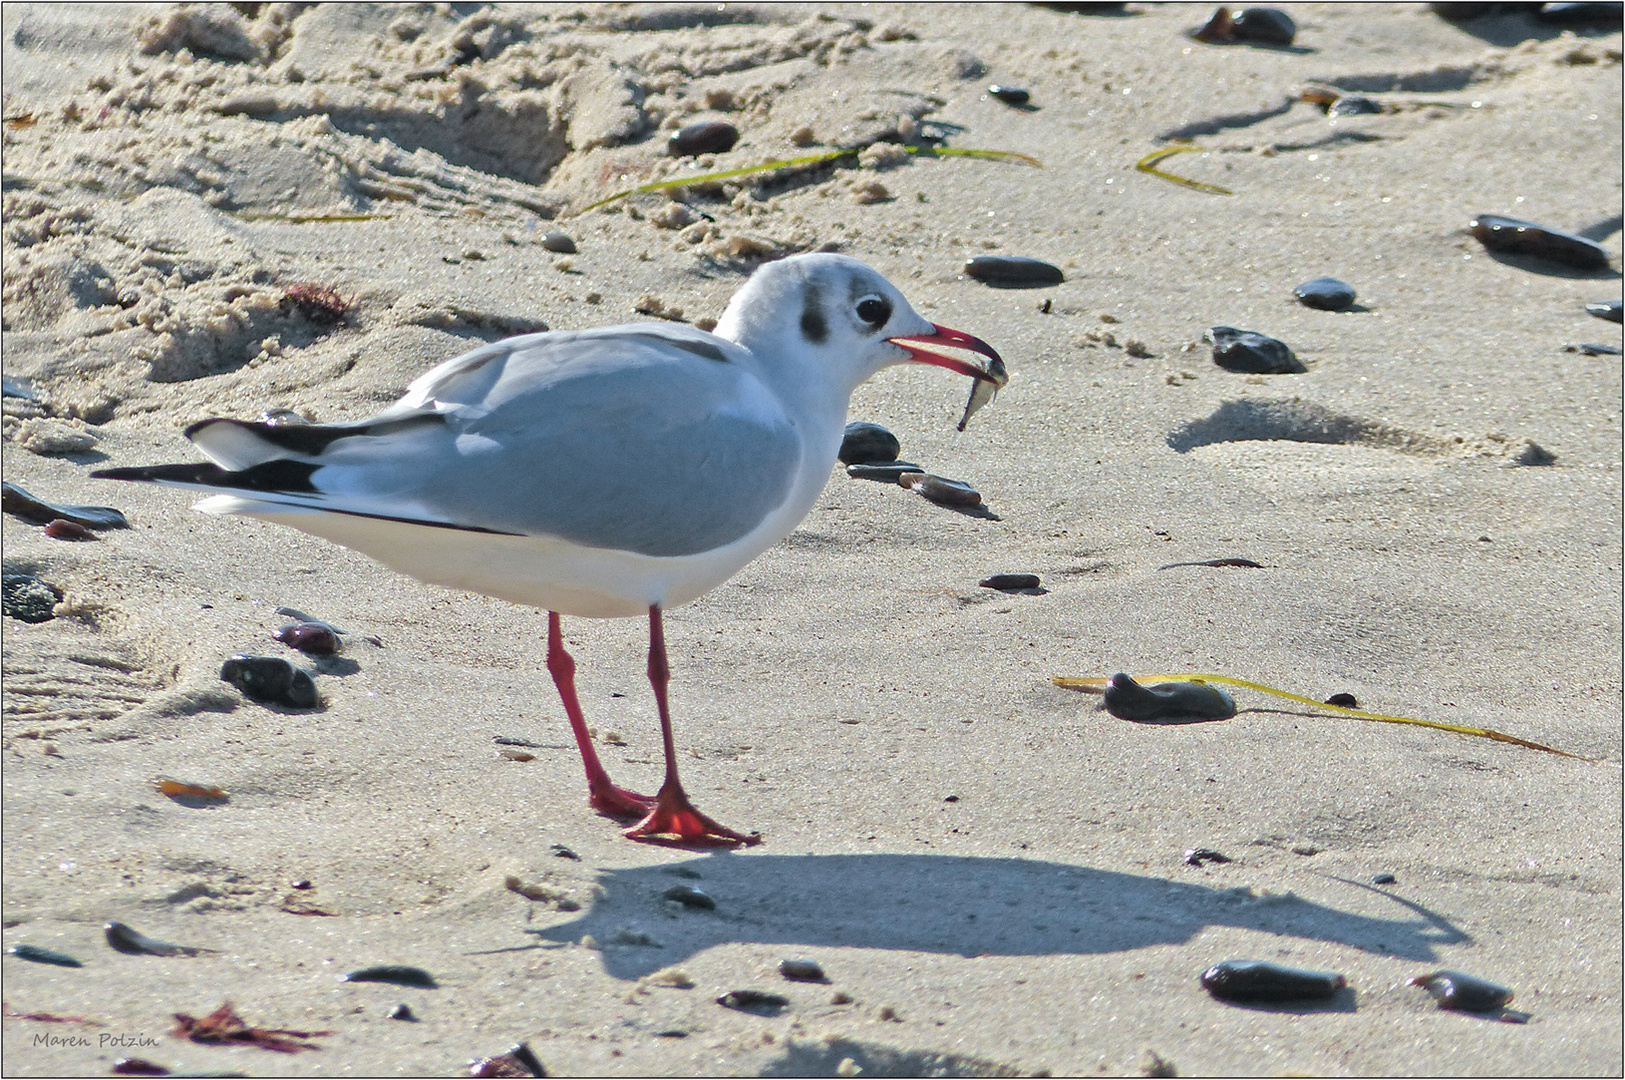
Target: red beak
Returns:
[[994, 372]]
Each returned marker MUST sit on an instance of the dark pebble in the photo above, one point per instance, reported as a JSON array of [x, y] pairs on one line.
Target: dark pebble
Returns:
[[133, 1066], [707, 137], [1325, 293], [802, 971], [1267, 26], [868, 444], [126, 939], [1196, 856], [519, 1061], [672, 1033], [689, 896], [23, 951], [1347, 701], [1354, 105], [1463, 993], [1592, 348], [890, 473], [399, 974], [1010, 582], [1251, 353], [28, 599], [270, 678], [1128, 700], [313, 639], [16, 390], [1013, 271], [1534, 454], [403, 1011], [1606, 309], [942, 491], [559, 242], [1263, 982], [1526, 238], [14, 500], [63, 529], [1581, 14], [754, 1001], [301, 883], [1010, 95], [1383, 878], [562, 852]]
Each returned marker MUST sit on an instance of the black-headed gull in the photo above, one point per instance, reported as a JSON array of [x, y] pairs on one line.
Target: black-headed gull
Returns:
[[611, 472]]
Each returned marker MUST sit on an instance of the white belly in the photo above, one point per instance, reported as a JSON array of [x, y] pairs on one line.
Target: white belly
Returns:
[[540, 571]]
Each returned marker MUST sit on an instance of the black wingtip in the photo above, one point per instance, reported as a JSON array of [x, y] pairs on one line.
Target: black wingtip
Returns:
[[159, 474]]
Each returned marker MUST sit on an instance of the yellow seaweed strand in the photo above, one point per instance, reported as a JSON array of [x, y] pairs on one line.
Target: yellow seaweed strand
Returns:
[[809, 159], [1098, 685], [1148, 163]]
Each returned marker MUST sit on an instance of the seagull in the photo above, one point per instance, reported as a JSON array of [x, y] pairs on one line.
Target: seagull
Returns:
[[612, 472]]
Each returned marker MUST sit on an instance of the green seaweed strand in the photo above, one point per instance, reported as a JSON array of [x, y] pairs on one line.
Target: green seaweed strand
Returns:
[[810, 159], [1098, 685]]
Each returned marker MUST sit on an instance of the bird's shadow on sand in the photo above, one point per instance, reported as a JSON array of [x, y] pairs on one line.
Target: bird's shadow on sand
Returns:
[[953, 905]]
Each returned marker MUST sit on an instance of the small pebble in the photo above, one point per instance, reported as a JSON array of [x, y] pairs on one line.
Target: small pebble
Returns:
[[134, 1066], [16, 390], [1264, 982], [890, 473], [1587, 347], [301, 883], [23, 951], [1267, 26], [802, 971], [559, 242], [126, 939], [181, 789], [519, 1061], [312, 639], [1383, 878], [1354, 105], [1010, 582], [1128, 700], [1605, 309], [399, 974], [754, 1001], [28, 599], [1518, 237], [1346, 701], [562, 852], [706, 137], [1154, 1064], [403, 1011], [868, 444], [941, 490], [1252, 353], [689, 896], [62, 529], [15, 500], [1534, 454], [1196, 856], [1305, 849], [1013, 271], [1010, 95], [1463, 993], [271, 679], [1325, 293]]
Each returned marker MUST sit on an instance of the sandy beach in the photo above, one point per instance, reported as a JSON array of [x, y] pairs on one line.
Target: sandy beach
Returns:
[[989, 869]]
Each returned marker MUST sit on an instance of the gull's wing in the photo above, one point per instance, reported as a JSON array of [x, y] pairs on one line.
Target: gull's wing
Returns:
[[653, 439]]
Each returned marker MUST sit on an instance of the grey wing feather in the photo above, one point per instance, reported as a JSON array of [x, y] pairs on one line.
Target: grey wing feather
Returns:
[[621, 438]]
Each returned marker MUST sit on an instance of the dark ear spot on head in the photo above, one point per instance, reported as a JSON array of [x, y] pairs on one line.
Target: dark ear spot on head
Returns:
[[813, 326]]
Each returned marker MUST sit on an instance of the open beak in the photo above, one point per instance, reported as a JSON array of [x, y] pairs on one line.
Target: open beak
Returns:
[[993, 373]]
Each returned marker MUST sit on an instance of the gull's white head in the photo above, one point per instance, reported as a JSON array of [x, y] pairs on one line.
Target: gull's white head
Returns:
[[831, 317]]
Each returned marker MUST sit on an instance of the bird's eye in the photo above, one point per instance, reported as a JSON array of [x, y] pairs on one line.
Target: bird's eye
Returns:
[[874, 310]]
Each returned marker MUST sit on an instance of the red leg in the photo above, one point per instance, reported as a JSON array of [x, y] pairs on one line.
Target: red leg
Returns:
[[602, 795], [673, 816]]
